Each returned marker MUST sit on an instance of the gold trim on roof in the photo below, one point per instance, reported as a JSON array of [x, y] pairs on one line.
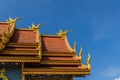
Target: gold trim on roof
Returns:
[[51, 35], [7, 35], [74, 48], [69, 73], [68, 46], [20, 60], [77, 62], [23, 76], [80, 55], [63, 34], [11, 20], [34, 27], [39, 45], [89, 61]]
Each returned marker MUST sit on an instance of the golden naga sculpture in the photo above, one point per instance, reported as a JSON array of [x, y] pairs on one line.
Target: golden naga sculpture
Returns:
[[34, 27], [5, 38], [13, 20], [6, 34], [63, 34], [80, 55], [88, 61]]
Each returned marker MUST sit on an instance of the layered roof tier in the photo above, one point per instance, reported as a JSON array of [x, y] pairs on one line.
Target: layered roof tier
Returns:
[[40, 54]]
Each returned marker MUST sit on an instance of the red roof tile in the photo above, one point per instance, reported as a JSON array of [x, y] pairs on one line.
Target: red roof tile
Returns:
[[23, 47], [54, 44], [24, 36]]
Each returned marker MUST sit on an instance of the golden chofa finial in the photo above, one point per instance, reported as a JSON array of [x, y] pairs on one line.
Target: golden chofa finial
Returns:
[[11, 20], [34, 27], [80, 55], [74, 48], [88, 61], [63, 34]]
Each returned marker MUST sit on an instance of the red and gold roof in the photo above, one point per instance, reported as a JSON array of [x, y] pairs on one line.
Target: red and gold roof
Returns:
[[40, 54]]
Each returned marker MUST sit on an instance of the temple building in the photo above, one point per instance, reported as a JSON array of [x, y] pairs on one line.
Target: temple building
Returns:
[[26, 54]]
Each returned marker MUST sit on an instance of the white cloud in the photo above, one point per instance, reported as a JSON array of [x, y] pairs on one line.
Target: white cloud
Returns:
[[117, 78], [111, 72], [106, 27]]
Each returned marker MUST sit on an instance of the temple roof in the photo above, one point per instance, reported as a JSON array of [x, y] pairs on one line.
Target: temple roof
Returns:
[[40, 54], [55, 44]]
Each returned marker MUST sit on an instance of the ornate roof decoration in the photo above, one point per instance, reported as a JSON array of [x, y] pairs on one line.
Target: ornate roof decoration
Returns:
[[88, 61], [74, 48], [11, 20], [80, 55], [63, 34], [7, 30], [40, 54], [34, 27]]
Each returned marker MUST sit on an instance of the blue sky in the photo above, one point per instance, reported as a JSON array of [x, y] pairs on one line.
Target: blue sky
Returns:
[[94, 24]]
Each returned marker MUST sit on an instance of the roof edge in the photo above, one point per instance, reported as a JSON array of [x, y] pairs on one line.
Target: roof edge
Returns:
[[68, 44], [50, 35], [7, 35]]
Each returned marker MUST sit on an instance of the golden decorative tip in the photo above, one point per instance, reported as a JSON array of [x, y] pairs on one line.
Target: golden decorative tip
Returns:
[[74, 49], [80, 55], [63, 34], [11, 20], [89, 61], [35, 27]]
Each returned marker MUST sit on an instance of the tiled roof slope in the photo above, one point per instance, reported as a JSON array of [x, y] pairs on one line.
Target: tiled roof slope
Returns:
[[57, 58], [27, 45], [21, 46], [24, 36], [55, 44], [22, 43]]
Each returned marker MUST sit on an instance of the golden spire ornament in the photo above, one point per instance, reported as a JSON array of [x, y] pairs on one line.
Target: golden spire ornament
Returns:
[[11, 20], [74, 48], [63, 34], [34, 27], [80, 55], [88, 61]]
